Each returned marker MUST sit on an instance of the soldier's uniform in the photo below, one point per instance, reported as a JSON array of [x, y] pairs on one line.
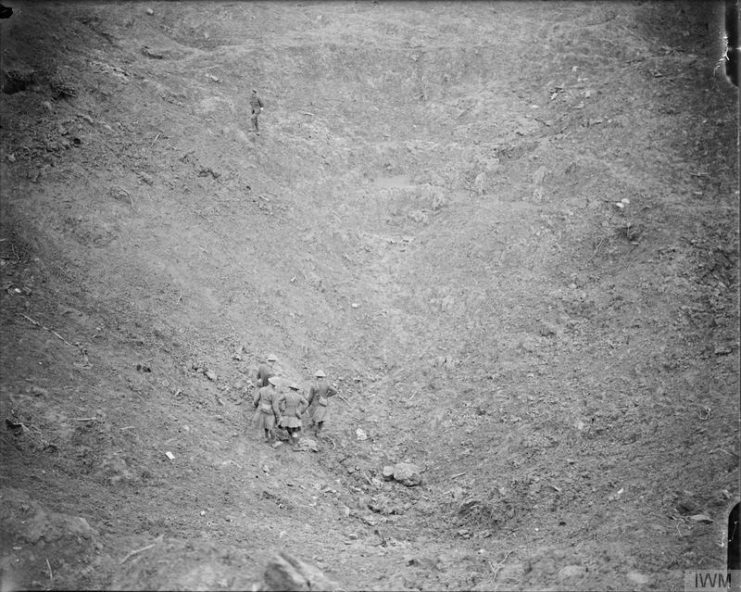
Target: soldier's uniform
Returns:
[[256, 106], [265, 402], [291, 405], [266, 371], [318, 398]]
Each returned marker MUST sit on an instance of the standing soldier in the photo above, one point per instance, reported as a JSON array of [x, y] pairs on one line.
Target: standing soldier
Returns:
[[265, 371], [256, 105], [319, 394], [266, 405], [291, 405]]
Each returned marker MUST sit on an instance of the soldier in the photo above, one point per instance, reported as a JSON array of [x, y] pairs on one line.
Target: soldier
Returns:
[[265, 371], [256, 105], [319, 394], [291, 405], [265, 402]]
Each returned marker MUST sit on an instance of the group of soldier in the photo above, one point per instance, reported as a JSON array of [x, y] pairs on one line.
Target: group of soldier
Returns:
[[279, 403]]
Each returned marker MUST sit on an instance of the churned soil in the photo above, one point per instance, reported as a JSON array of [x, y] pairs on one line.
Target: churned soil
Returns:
[[508, 233]]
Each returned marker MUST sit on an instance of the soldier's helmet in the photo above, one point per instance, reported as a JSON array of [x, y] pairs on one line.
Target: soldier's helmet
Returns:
[[320, 374], [274, 380], [272, 358]]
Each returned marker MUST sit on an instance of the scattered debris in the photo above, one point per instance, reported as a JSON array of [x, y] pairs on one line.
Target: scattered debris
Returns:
[[616, 496], [285, 572], [305, 445], [46, 328], [145, 178], [206, 171], [722, 350], [571, 571], [61, 89], [407, 474], [137, 551], [155, 55], [704, 518], [638, 578]]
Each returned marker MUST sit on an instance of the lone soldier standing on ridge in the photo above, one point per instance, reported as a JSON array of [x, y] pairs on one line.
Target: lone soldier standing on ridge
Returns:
[[265, 371], [319, 394], [256, 105]]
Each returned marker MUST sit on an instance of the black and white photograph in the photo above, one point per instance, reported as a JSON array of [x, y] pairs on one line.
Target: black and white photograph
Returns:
[[379, 295]]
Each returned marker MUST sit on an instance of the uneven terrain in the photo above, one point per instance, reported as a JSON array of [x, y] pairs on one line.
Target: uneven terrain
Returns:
[[508, 232]]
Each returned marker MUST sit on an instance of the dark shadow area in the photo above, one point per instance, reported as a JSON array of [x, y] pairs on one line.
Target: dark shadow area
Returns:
[[734, 549]]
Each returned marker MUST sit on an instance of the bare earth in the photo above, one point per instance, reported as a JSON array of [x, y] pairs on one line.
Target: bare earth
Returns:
[[508, 232]]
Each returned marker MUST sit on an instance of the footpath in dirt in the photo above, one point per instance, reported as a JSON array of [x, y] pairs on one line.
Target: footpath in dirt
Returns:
[[508, 233]]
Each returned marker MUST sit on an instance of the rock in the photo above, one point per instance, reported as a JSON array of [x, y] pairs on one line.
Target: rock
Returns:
[[686, 504], [361, 435], [307, 444], [571, 571], [547, 329], [407, 474], [39, 391], [638, 578], [370, 520], [701, 518], [512, 571], [156, 55], [387, 473], [149, 11], [211, 375], [145, 178]]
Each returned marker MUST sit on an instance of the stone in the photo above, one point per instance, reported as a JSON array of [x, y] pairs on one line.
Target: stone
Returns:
[[701, 518], [571, 571], [285, 572], [512, 572], [145, 178], [307, 444], [638, 578], [387, 473], [407, 474]]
